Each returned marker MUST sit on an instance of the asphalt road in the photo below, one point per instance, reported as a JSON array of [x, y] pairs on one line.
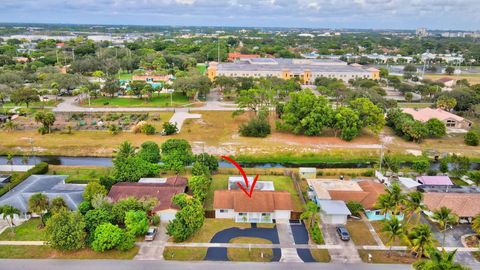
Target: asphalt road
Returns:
[[164, 265]]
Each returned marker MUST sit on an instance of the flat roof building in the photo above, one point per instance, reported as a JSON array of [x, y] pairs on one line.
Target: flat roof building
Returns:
[[304, 69]]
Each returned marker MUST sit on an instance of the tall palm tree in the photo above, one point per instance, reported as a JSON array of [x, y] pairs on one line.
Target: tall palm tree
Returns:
[[384, 204], [439, 260], [394, 192], [310, 214], [38, 204], [394, 230], [414, 205], [9, 213], [420, 239], [444, 217]]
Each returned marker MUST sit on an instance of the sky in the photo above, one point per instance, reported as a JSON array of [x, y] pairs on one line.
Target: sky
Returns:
[[357, 14]]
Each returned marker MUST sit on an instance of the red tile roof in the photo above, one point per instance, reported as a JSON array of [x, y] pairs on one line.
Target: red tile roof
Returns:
[[163, 192], [368, 197], [462, 204], [261, 201]]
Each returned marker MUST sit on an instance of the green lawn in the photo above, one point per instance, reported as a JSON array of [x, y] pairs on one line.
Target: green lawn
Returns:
[[49, 103], [360, 233], [382, 256], [79, 175], [281, 183], [184, 253], [28, 231], [163, 100], [202, 68], [320, 255], [44, 252], [125, 76], [250, 254]]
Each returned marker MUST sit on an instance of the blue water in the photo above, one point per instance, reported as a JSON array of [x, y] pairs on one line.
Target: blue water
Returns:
[[373, 216]]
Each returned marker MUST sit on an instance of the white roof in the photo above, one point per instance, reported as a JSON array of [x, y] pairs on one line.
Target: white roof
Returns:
[[153, 180], [334, 207], [307, 169], [408, 182]]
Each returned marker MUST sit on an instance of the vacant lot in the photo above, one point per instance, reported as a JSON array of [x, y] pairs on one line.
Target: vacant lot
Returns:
[[281, 183], [161, 100], [472, 78]]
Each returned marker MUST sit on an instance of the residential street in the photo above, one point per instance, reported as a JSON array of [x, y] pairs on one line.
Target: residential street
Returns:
[[167, 265]]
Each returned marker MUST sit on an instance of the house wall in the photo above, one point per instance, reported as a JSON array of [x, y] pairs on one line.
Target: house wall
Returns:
[[281, 214], [333, 219], [167, 215], [229, 215]]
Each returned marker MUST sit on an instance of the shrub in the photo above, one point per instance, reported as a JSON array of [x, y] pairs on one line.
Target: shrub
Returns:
[[136, 222], [127, 243], [316, 234], [114, 129], [472, 138], [368, 173], [256, 127], [107, 236], [148, 129], [355, 208], [154, 220], [169, 128], [40, 168]]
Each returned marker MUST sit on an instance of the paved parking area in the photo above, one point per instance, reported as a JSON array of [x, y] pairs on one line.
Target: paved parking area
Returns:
[[220, 254]]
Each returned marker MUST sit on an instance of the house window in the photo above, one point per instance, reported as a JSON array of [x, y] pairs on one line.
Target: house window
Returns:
[[242, 214], [265, 214], [223, 210], [450, 123]]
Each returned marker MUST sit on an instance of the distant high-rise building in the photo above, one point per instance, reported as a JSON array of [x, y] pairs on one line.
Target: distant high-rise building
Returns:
[[421, 32]]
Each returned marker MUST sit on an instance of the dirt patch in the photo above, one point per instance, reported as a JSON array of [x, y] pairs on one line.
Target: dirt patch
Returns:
[[364, 141]]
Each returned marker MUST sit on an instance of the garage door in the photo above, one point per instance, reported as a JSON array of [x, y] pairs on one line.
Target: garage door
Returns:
[[167, 216]]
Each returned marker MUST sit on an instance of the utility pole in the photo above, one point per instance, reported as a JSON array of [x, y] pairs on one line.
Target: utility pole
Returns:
[[218, 48]]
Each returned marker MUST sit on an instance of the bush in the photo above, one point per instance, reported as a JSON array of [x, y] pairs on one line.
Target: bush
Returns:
[[40, 168], [169, 128], [256, 127], [107, 236], [369, 173], [148, 129], [355, 208], [472, 138], [316, 234], [154, 220], [127, 243]]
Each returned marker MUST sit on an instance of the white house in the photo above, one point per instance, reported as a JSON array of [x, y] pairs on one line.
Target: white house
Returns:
[[262, 207]]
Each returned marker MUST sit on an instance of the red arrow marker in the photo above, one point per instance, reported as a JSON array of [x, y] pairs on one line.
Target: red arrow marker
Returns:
[[245, 178]]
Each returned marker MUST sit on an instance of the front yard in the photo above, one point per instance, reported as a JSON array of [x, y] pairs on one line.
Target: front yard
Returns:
[[27, 231], [382, 256], [184, 253], [250, 254], [360, 233]]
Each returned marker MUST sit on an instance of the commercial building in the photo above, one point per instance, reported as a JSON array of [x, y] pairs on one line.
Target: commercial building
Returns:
[[306, 70]]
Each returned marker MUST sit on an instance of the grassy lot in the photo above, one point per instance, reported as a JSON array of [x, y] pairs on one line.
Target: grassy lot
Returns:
[[472, 78], [49, 103], [459, 182], [281, 183], [44, 252], [163, 100], [382, 256], [184, 253], [79, 175], [27, 231], [211, 227], [360, 233], [250, 255], [320, 255], [125, 76]]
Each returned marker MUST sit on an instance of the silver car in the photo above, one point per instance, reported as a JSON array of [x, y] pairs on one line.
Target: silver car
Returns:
[[151, 233]]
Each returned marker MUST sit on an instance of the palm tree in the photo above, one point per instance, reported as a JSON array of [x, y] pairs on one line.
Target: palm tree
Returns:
[[420, 239], [476, 224], [444, 217], [8, 213], [394, 230], [384, 204], [439, 260], [38, 203], [396, 197], [10, 125], [414, 205], [310, 214]]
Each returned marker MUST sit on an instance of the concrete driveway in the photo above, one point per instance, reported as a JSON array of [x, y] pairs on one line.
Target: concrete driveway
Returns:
[[153, 250], [220, 254], [347, 254]]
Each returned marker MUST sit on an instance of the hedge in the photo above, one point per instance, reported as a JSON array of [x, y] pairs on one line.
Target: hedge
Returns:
[[316, 234], [40, 168]]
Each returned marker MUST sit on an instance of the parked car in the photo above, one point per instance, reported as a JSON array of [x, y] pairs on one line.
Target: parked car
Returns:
[[343, 233], [151, 233]]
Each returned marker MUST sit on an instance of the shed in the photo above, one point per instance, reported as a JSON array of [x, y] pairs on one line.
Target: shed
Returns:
[[441, 180], [333, 211], [308, 172]]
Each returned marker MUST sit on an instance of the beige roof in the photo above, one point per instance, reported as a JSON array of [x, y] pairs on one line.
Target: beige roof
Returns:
[[261, 201], [462, 204], [323, 187], [426, 114]]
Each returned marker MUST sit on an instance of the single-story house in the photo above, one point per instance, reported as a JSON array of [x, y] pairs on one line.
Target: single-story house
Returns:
[[51, 185], [448, 82], [262, 207], [464, 205], [441, 180], [163, 192], [308, 172], [449, 119], [333, 211], [365, 192], [260, 185], [408, 183]]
